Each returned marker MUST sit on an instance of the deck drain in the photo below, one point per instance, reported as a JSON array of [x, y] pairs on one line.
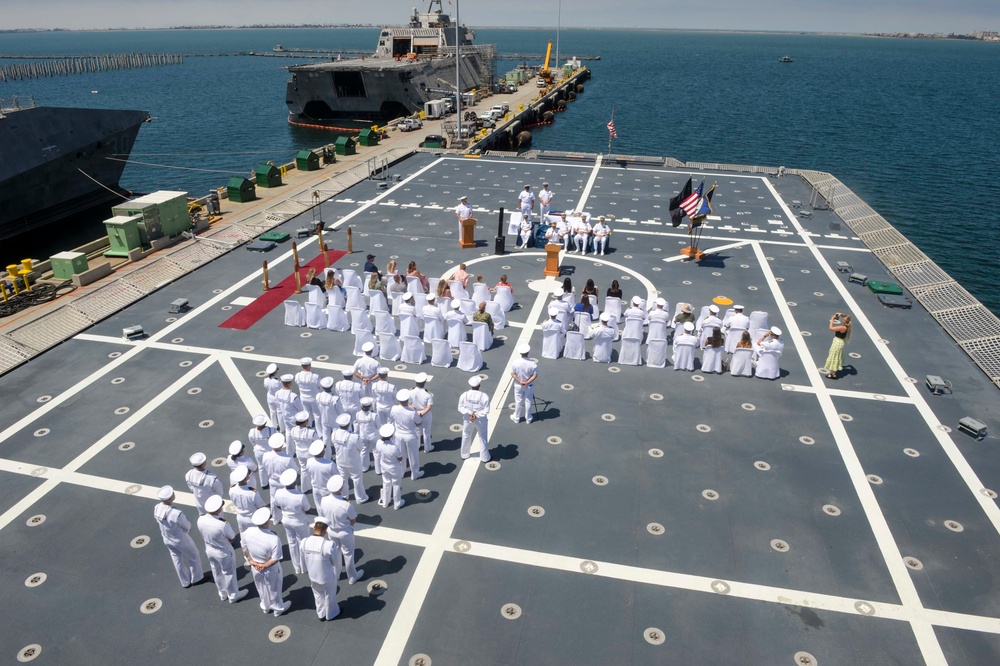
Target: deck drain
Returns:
[[323, 357], [600, 480], [122, 410], [29, 652], [118, 380], [177, 340], [701, 427], [39, 471], [536, 511], [805, 334], [752, 288], [567, 387], [307, 334], [260, 373], [226, 308], [686, 282], [170, 320], [35, 579], [132, 489], [988, 492], [493, 465], [710, 494], [779, 279], [140, 541], [462, 546], [818, 293], [150, 606], [656, 529], [218, 462], [207, 423], [656, 453], [114, 354], [279, 634], [41, 432], [954, 525], [913, 563], [377, 587], [912, 380], [878, 396], [697, 378], [779, 545], [614, 368], [654, 636], [874, 479], [588, 567], [744, 265], [43, 398], [510, 611], [216, 291], [186, 364], [913, 453], [420, 660], [831, 510], [399, 366], [804, 659], [845, 417], [248, 348], [607, 417], [720, 587], [655, 396], [35, 520], [805, 439], [194, 390], [501, 337], [126, 446], [657, 269], [761, 465], [864, 608], [748, 406], [883, 341], [455, 427], [854, 354], [791, 304], [716, 273], [554, 439], [943, 428]]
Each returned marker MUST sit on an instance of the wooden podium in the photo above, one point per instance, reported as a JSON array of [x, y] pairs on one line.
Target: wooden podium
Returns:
[[552, 259], [693, 253], [468, 238]]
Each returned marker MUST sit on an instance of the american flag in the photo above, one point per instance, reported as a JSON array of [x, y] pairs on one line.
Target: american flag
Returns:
[[691, 203], [611, 129]]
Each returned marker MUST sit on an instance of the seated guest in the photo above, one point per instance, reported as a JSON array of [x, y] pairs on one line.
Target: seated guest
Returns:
[[614, 291], [390, 268], [443, 290], [460, 276], [398, 284], [375, 283], [482, 315], [585, 306], [503, 283], [683, 316], [590, 289], [411, 271]]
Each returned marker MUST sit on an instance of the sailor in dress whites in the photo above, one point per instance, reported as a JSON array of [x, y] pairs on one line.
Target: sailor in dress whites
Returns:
[[709, 321], [562, 232], [737, 321], [527, 202], [348, 449], [525, 229], [203, 484], [237, 457], [328, 404], [366, 368], [603, 333], [432, 311], [581, 234], [263, 549], [389, 456], [544, 200], [422, 402], [308, 383], [272, 384], [174, 528], [300, 438], [341, 516], [292, 506], [524, 372], [602, 232], [288, 403], [384, 393], [276, 461], [404, 418], [320, 468], [244, 498], [218, 535], [658, 314], [474, 406], [258, 436], [366, 425], [349, 393], [463, 211], [323, 565]]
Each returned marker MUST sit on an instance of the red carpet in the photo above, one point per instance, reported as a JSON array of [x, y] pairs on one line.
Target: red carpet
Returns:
[[276, 295]]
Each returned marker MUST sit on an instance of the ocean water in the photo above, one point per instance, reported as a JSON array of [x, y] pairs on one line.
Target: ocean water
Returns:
[[910, 125]]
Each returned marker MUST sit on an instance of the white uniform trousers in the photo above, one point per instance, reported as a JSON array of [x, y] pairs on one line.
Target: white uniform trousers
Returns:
[[525, 236], [469, 429], [223, 566], [357, 482], [187, 561], [526, 212], [600, 244], [392, 486], [296, 534], [523, 397], [305, 478], [268, 584], [346, 540], [313, 408], [325, 595], [424, 430], [382, 415], [581, 242], [272, 408], [411, 445]]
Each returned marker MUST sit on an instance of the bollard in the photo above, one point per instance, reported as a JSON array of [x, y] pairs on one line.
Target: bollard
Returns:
[[295, 254], [350, 241], [322, 245], [326, 256], [266, 285]]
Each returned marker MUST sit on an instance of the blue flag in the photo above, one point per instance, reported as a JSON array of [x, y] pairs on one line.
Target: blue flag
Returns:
[[704, 208]]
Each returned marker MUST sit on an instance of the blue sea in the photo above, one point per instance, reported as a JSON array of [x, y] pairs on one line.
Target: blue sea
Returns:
[[910, 125]]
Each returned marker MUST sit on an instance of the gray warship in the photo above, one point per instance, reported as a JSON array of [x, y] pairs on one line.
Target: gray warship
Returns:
[[56, 161]]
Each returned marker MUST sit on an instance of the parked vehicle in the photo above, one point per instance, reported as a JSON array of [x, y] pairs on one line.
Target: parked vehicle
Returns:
[[487, 120], [409, 124]]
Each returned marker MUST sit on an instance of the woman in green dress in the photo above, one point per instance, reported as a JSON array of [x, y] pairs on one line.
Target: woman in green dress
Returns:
[[840, 324]]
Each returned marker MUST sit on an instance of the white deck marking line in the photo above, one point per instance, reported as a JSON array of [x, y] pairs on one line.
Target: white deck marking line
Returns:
[[929, 646], [582, 203], [371, 202], [711, 250], [845, 393], [241, 387], [762, 241]]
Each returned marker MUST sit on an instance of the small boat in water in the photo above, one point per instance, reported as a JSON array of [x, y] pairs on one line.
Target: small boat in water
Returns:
[[785, 59]]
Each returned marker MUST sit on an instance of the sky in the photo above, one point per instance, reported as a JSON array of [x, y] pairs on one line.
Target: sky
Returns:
[[857, 16]]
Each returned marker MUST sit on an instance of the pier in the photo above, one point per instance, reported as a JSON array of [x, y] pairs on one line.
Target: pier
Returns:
[[39, 66]]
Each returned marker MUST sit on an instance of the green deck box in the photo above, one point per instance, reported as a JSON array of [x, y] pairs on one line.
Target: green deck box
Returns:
[[241, 190], [267, 175], [163, 213], [346, 146], [368, 137], [67, 264], [306, 160], [123, 235]]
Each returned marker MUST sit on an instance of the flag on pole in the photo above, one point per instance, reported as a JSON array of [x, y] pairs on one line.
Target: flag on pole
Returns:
[[611, 129], [690, 204], [704, 208], [676, 213]]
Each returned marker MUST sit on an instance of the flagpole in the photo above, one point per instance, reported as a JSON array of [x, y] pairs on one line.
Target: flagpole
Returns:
[[610, 135]]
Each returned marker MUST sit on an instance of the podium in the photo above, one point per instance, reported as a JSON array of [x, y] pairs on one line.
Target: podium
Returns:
[[552, 259], [468, 238]]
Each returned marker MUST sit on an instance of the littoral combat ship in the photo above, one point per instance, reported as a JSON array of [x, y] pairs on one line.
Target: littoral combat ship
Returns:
[[56, 161], [411, 65]]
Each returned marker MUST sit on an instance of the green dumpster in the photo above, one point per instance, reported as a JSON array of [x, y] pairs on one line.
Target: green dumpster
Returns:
[[368, 137], [267, 175], [346, 146], [241, 190], [306, 160], [67, 264], [123, 235]]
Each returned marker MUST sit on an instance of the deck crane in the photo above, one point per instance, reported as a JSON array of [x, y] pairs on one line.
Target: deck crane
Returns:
[[545, 73]]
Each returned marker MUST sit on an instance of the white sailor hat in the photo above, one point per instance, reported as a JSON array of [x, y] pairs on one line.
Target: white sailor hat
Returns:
[[421, 378], [288, 477], [407, 296], [605, 317], [545, 184], [347, 373], [235, 447], [403, 395], [368, 347], [198, 459], [775, 330], [260, 420], [319, 520], [326, 382], [383, 370], [475, 381], [462, 198], [553, 312], [661, 302], [714, 309], [456, 304], [387, 431], [305, 360], [213, 504], [688, 326], [737, 307], [558, 292], [271, 368], [287, 378], [261, 516], [317, 448], [165, 493], [344, 420], [524, 348], [636, 300], [241, 472], [431, 298], [301, 416], [276, 441], [367, 401], [335, 483]]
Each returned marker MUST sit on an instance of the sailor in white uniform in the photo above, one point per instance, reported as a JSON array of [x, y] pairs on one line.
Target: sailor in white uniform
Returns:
[[404, 418], [463, 211], [258, 436], [348, 448], [237, 457], [341, 516], [203, 484], [366, 425], [263, 549], [527, 202], [366, 368], [244, 498], [406, 306], [474, 406], [320, 468], [384, 393], [276, 461], [288, 403], [525, 229], [581, 234], [323, 565], [602, 232], [328, 404], [545, 200], [271, 385], [292, 506], [711, 320], [422, 402], [524, 372], [301, 437], [308, 383], [349, 393], [389, 457], [658, 314], [218, 535], [563, 231], [174, 528]]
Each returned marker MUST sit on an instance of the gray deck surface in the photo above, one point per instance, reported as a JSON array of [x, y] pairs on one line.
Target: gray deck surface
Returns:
[[588, 577]]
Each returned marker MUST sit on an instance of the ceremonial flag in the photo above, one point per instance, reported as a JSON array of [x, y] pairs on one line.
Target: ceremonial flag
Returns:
[[704, 208], [690, 204], [676, 214], [611, 129]]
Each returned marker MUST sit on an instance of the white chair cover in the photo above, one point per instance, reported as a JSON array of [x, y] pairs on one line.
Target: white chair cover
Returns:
[[295, 314], [457, 290], [633, 327], [470, 359], [613, 306], [360, 338], [355, 299], [384, 323], [433, 328], [360, 321], [408, 325], [552, 343], [574, 346], [440, 353], [757, 335], [481, 335], [701, 315], [419, 301], [468, 307], [413, 285], [705, 334], [711, 359], [733, 338], [684, 354], [413, 349], [315, 317], [570, 298], [457, 332], [336, 318], [444, 304], [630, 352], [496, 311], [351, 278], [657, 331], [582, 320], [390, 348], [677, 311], [377, 302], [594, 302], [758, 319], [504, 297], [480, 293], [656, 353], [741, 365], [432, 285], [767, 364], [336, 297], [602, 350], [397, 300]]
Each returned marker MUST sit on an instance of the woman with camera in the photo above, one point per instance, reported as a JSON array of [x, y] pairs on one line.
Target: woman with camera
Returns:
[[840, 324]]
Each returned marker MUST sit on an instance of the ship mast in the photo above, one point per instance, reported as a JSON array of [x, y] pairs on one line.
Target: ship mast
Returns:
[[458, 77]]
